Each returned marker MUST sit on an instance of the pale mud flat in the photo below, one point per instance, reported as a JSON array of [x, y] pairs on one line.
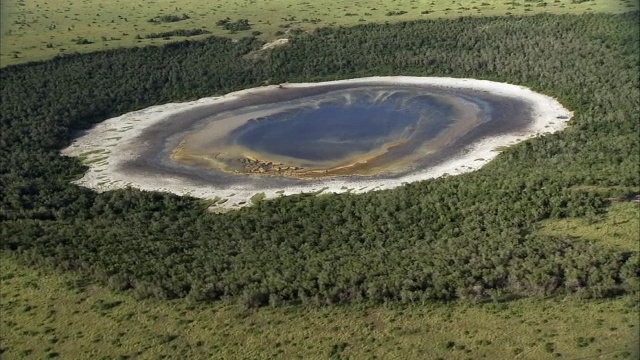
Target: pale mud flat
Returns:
[[109, 145]]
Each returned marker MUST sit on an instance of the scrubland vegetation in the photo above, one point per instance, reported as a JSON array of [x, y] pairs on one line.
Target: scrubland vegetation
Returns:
[[502, 236], [48, 315], [40, 29], [464, 237]]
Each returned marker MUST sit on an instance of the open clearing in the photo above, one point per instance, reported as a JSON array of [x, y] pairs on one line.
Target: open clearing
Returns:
[[40, 29], [618, 229]]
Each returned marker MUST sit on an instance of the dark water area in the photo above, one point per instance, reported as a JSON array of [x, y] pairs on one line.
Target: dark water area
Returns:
[[363, 130], [319, 126], [337, 128]]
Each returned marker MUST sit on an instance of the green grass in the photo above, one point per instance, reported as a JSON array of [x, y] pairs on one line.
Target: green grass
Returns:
[[258, 197], [86, 154], [92, 161], [45, 313], [40, 29], [618, 228]]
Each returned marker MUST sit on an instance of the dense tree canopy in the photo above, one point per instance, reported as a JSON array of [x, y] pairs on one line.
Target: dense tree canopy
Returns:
[[463, 237]]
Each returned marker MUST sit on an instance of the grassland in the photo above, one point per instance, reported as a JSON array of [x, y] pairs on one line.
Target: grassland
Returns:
[[45, 314], [619, 228], [40, 29], [49, 314]]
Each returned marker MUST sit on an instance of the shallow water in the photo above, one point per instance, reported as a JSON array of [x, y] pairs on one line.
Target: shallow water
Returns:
[[336, 129], [359, 131]]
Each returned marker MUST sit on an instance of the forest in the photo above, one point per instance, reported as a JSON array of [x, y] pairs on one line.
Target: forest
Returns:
[[467, 237]]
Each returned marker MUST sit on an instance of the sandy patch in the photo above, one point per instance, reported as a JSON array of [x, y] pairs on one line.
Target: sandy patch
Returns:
[[114, 142], [275, 43]]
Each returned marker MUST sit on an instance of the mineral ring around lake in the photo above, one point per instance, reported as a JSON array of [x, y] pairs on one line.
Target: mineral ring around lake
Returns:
[[340, 136]]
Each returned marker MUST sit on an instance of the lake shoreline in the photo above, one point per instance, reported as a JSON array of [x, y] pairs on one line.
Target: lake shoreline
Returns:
[[132, 149]]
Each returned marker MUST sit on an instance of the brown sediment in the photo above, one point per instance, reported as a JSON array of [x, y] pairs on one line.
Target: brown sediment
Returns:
[[371, 163], [250, 164], [387, 158]]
